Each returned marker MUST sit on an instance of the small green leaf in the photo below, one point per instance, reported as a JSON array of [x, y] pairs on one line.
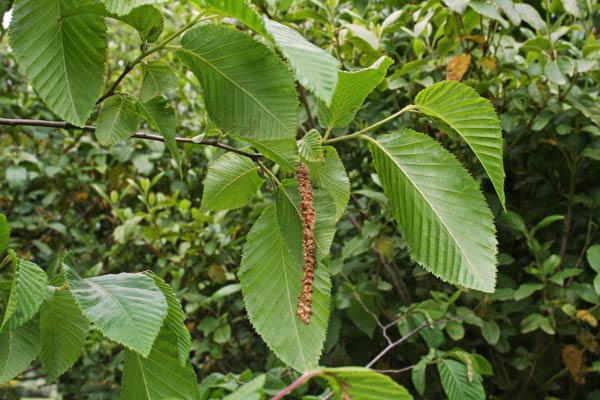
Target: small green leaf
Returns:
[[363, 384], [270, 276], [447, 206], [248, 90], [252, 390], [175, 321], [351, 92], [18, 348], [63, 58], [4, 233], [491, 332], [161, 116], [147, 20], [456, 382], [593, 257], [330, 175], [418, 375], [238, 9], [123, 7], [459, 108], [160, 375], [231, 182], [315, 68], [282, 151], [159, 79], [310, 148], [118, 120], [27, 293], [527, 289], [127, 308], [63, 332]]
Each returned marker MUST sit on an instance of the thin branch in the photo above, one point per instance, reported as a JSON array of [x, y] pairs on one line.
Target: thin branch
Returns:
[[304, 99], [297, 383], [398, 342], [145, 136]]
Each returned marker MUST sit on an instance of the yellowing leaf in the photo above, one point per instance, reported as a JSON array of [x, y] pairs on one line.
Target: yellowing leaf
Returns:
[[573, 358], [458, 65], [585, 315], [490, 63]]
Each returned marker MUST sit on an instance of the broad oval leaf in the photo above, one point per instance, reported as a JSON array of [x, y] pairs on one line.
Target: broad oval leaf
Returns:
[[363, 384], [18, 348], [123, 7], [160, 375], [282, 151], [270, 276], [439, 207], [63, 331], [175, 321], [147, 20], [4, 233], [351, 92], [63, 56], [247, 89], [456, 382], [459, 107], [330, 174], [315, 68], [159, 114], [117, 121], [27, 293], [231, 182], [127, 308]]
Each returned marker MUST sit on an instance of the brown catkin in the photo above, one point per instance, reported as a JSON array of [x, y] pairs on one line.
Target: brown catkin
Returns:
[[305, 310]]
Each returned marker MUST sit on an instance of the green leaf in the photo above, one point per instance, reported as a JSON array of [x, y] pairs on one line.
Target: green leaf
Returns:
[[238, 9], [5, 5], [27, 293], [160, 375], [456, 382], [159, 79], [491, 332], [310, 148], [231, 182], [593, 257], [4, 233], [530, 15], [330, 175], [314, 67], [252, 390], [18, 348], [439, 207], [290, 217], [63, 331], [161, 116], [282, 151], [147, 20], [351, 92], [363, 384], [526, 290], [248, 90], [418, 375], [270, 276], [488, 10], [459, 107], [118, 120], [127, 308], [123, 7], [63, 58], [175, 321]]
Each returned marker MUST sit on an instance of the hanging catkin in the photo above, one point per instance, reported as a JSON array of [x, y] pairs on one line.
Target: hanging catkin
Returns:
[[308, 244]]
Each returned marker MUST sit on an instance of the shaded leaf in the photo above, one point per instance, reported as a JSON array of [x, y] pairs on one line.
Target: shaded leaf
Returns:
[[4, 233], [18, 348], [161, 116], [282, 151], [238, 9], [118, 120], [159, 79], [147, 20], [363, 384], [63, 332], [310, 148]]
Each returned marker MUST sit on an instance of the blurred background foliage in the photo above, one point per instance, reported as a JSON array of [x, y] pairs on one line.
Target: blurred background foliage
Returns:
[[127, 208]]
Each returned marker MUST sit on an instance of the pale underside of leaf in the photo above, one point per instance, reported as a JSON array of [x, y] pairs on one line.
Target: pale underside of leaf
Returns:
[[123, 7], [270, 277], [439, 207], [315, 68], [247, 89], [460, 108], [117, 121], [127, 308], [282, 151], [63, 57], [363, 384]]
